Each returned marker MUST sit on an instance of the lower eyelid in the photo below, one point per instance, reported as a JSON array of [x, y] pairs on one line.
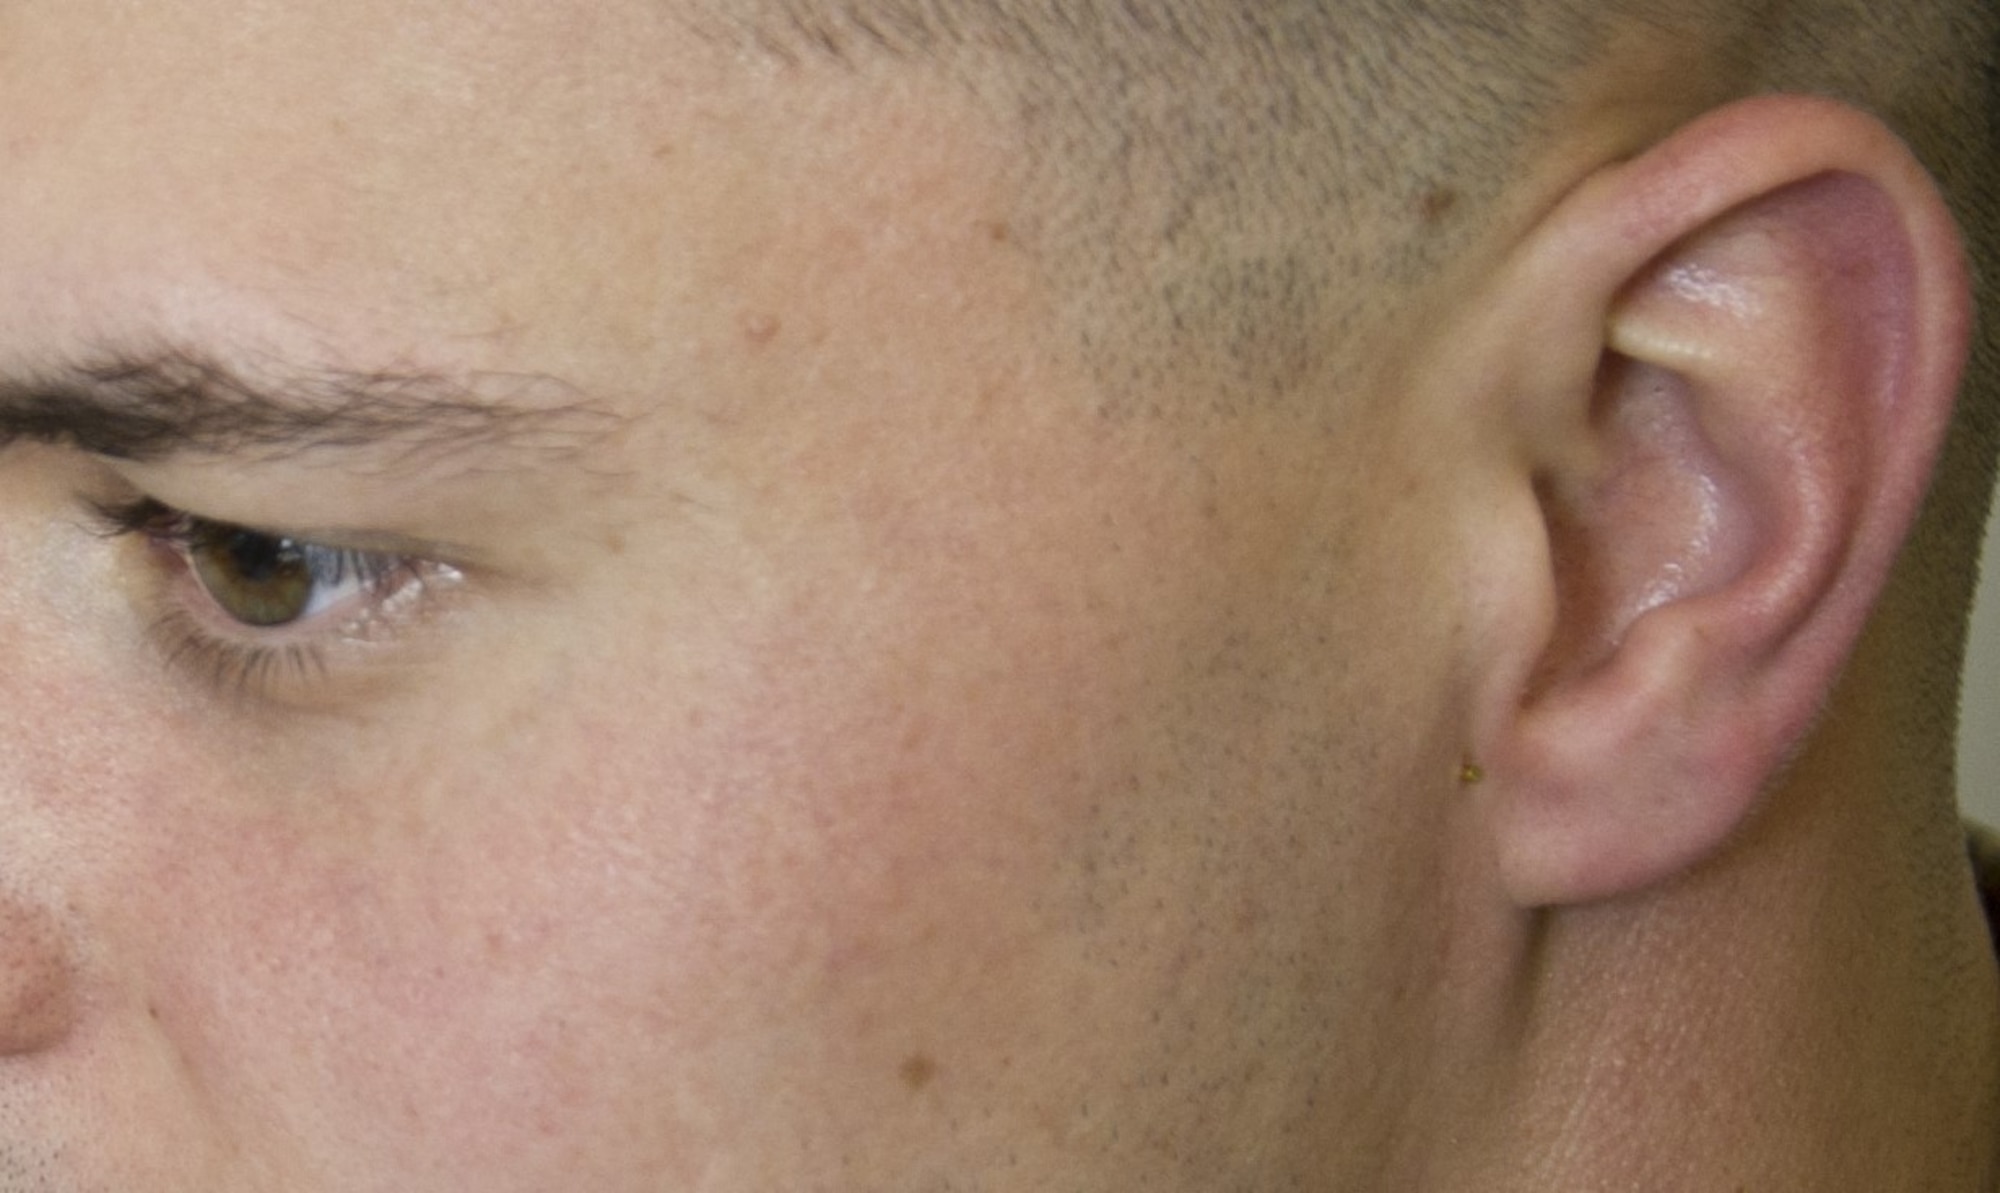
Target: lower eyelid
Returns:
[[302, 668]]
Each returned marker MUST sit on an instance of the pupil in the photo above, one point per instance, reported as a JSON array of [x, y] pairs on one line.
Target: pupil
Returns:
[[257, 558]]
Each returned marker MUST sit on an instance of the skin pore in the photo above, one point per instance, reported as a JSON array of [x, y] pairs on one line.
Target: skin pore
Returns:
[[849, 750]]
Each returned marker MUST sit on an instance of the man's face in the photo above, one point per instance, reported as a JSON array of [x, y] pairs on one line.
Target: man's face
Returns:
[[804, 744]]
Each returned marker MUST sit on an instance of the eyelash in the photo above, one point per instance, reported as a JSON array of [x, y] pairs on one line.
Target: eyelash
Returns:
[[241, 656]]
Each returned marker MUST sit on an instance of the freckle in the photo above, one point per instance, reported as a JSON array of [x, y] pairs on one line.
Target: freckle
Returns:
[[760, 328], [1437, 203], [614, 543], [663, 151], [918, 1072], [998, 231]]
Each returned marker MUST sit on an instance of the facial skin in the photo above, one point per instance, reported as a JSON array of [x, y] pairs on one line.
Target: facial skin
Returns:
[[829, 767]]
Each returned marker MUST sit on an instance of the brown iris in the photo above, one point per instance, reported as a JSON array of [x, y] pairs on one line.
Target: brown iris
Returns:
[[257, 579]]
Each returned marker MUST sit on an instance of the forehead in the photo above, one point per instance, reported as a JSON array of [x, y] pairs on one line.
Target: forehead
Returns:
[[278, 138], [501, 62], [185, 89], [581, 175]]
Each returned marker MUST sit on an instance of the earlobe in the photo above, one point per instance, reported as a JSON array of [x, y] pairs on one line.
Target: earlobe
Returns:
[[1726, 449]]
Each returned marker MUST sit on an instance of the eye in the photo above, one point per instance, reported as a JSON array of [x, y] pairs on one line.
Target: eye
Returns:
[[265, 609], [266, 580]]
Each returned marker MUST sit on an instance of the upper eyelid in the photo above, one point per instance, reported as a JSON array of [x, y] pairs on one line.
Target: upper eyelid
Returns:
[[148, 515], [183, 532]]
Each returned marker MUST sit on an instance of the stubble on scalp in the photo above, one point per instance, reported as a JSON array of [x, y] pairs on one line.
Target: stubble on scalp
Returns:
[[1235, 203], [1224, 196]]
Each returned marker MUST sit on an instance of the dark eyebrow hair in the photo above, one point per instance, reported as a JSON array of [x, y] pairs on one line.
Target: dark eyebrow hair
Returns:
[[145, 408]]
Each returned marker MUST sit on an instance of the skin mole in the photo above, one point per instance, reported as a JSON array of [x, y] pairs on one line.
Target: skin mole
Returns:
[[1437, 204]]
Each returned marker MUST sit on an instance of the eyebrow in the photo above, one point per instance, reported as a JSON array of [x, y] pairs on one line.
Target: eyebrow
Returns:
[[146, 408]]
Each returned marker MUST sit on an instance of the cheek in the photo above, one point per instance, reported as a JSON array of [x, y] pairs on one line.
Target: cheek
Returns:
[[633, 924], [440, 1002], [936, 835]]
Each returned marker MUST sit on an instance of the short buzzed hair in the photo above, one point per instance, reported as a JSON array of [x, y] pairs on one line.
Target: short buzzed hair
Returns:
[[1236, 194], [1226, 186], [1248, 178]]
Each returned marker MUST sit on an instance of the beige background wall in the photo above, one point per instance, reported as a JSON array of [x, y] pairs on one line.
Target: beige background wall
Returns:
[[1979, 730]]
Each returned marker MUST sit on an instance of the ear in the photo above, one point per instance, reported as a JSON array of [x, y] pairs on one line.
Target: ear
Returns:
[[1725, 368]]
